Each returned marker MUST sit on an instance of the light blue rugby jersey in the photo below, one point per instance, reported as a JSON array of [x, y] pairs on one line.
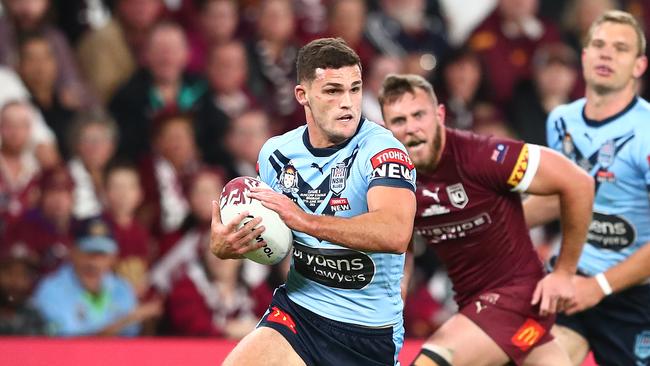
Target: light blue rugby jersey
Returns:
[[328, 279], [616, 152]]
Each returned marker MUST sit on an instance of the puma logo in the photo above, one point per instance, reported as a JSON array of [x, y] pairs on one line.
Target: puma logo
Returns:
[[314, 165], [434, 195], [479, 307]]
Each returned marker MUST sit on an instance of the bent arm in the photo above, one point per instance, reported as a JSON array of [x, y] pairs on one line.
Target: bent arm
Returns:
[[387, 227], [556, 175]]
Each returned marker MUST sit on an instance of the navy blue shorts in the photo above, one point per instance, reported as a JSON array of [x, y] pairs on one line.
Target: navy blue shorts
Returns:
[[321, 341], [617, 329]]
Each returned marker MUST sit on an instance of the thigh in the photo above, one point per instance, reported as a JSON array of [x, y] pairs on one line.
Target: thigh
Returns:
[[469, 344], [572, 342], [550, 353], [263, 346]]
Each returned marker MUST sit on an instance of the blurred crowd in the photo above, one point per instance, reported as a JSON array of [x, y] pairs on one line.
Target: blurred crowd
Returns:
[[121, 120]]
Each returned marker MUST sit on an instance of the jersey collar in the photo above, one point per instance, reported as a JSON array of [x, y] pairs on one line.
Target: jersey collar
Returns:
[[328, 151], [597, 123]]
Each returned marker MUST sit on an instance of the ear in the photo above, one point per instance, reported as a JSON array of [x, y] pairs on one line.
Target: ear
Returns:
[[301, 95], [640, 66], [441, 112]]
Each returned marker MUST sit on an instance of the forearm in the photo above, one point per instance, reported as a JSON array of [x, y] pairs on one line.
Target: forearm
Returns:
[[540, 210], [371, 232], [576, 206], [116, 327], [632, 271]]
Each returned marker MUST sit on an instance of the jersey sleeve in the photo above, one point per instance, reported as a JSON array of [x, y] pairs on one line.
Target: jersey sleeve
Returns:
[[264, 169], [553, 131], [503, 164], [385, 162]]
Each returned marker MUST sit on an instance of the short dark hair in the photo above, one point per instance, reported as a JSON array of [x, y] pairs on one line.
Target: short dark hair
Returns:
[[395, 86], [324, 53]]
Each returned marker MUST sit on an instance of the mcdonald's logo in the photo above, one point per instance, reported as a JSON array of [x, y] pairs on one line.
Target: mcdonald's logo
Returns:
[[529, 334]]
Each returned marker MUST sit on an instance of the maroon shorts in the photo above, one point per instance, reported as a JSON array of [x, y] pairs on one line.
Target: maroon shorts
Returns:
[[506, 315]]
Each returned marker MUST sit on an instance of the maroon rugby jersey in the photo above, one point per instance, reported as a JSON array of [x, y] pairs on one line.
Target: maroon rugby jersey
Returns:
[[469, 210]]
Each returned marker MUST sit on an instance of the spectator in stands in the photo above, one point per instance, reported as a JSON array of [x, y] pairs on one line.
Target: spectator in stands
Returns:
[[185, 244], [161, 85], [379, 67], [89, 298], [217, 24], [43, 144], [123, 196], [245, 138], [108, 56], [555, 73], [47, 228], [205, 296], [164, 174], [38, 69], [210, 299], [506, 40], [93, 138], [17, 277], [227, 73], [462, 86], [18, 166], [402, 27], [273, 56], [347, 19], [25, 17], [579, 16]]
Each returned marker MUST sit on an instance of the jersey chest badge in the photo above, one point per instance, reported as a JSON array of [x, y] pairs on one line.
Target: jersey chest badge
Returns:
[[337, 178], [289, 178], [457, 195]]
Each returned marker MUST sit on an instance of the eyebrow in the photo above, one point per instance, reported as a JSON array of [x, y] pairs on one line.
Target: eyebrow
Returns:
[[339, 85]]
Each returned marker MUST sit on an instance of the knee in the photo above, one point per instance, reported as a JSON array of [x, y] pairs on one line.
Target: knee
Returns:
[[433, 355]]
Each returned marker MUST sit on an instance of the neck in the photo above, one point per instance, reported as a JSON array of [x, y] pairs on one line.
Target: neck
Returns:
[[602, 106]]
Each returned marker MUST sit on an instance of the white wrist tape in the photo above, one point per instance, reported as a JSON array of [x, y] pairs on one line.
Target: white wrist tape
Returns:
[[604, 284]]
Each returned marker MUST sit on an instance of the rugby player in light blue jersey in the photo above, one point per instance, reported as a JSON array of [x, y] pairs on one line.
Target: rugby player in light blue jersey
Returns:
[[608, 135], [345, 186]]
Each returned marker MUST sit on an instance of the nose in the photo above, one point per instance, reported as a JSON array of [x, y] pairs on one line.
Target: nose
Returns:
[[346, 100], [411, 126]]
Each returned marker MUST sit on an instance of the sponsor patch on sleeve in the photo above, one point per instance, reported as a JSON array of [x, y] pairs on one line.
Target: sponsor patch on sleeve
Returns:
[[529, 334], [499, 153], [525, 168], [392, 163]]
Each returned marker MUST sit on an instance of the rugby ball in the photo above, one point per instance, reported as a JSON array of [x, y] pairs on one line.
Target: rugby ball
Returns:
[[278, 237]]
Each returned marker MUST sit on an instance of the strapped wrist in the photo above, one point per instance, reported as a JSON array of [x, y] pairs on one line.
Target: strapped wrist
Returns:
[[604, 284]]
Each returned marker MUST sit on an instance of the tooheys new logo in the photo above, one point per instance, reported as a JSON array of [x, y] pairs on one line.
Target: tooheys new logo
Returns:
[[610, 232], [392, 163], [340, 268]]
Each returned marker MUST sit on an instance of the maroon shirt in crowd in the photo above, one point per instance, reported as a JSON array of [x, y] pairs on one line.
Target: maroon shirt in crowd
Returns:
[[468, 212]]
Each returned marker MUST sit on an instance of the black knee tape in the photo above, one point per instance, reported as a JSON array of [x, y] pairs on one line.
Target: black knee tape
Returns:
[[432, 356]]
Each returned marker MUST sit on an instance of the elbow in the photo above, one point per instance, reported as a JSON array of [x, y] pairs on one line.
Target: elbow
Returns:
[[399, 242]]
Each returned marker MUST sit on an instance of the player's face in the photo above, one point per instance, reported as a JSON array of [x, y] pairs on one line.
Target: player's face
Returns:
[[610, 60], [416, 121], [333, 99]]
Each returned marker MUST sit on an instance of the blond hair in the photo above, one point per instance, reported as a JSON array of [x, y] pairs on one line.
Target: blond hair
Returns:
[[619, 17]]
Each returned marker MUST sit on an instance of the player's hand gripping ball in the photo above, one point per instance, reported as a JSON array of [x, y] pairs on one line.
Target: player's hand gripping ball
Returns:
[[278, 236]]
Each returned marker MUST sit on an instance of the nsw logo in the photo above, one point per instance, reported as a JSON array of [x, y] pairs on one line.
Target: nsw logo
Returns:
[[337, 178], [642, 345]]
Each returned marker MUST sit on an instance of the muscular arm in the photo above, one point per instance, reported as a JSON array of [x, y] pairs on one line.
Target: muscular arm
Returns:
[[556, 175], [387, 227]]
